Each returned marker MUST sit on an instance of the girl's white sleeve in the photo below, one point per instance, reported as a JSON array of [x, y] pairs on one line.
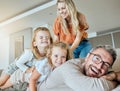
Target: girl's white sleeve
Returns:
[[25, 57], [43, 68]]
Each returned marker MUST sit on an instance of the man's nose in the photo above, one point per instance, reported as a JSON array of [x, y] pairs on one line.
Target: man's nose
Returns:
[[99, 66]]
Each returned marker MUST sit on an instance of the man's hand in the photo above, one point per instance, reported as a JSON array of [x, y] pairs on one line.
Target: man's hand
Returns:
[[111, 76]]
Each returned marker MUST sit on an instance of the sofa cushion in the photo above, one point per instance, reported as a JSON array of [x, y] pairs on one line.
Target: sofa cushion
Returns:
[[116, 65]]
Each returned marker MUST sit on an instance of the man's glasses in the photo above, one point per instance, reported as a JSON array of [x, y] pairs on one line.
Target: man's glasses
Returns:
[[97, 59]]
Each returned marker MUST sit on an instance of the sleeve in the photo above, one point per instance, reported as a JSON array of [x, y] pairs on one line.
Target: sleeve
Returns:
[[74, 78], [41, 66], [83, 21], [25, 57], [56, 26]]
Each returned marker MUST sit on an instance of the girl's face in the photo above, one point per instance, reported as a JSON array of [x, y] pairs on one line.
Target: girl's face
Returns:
[[58, 56], [62, 10], [42, 39]]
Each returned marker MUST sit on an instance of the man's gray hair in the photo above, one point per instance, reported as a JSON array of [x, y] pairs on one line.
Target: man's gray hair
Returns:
[[109, 49]]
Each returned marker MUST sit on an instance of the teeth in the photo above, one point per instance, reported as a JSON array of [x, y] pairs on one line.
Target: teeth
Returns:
[[44, 42], [94, 70]]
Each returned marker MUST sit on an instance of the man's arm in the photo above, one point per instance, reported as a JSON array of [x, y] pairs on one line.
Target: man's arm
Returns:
[[113, 76], [74, 78]]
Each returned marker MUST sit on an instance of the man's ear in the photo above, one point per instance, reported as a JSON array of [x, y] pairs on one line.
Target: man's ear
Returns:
[[87, 57]]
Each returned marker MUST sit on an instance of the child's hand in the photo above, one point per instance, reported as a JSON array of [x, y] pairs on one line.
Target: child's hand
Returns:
[[111, 76], [29, 70]]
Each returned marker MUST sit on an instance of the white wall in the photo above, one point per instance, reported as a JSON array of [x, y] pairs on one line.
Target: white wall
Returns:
[[7, 51], [27, 36], [4, 51]]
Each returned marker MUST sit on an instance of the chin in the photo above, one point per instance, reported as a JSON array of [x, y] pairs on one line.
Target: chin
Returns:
[[64, 17]]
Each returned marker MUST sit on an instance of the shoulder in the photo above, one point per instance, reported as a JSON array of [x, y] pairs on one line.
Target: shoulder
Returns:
[[71, 64], [42, 66], [81, 15], [57, 19], [28, 53], [76, 61], [82, 20], [42, 63]]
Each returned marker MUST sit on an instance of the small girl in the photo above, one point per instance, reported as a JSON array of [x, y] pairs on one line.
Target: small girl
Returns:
[[41, 39], [58, 53]]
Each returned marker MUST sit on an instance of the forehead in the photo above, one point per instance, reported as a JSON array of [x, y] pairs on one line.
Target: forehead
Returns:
[[61, 4], [58, 50], [103, 53], [100, 51], [42, 33]]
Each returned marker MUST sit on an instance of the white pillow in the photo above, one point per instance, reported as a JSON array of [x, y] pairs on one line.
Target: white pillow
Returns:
[[116, 65]]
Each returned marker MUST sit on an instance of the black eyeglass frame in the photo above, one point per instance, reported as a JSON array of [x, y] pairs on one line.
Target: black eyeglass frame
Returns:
[[108, 65]]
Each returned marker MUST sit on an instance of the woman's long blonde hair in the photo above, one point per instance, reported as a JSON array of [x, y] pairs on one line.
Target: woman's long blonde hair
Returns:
[[34, 48], [77, 19]]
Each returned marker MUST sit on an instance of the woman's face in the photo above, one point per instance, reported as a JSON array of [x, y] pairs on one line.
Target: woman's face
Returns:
[[62, 10]]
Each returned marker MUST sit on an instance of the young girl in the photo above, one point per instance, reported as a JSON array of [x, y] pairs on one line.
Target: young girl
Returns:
[[70, 27], [58, 53], [41, 39]]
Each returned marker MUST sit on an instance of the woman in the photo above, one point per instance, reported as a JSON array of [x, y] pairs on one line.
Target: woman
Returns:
[[70, 26]]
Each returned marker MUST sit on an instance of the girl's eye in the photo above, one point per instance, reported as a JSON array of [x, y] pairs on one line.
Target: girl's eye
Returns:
[[41, 37], [63, 8], [56, 55], [63, 56], [58, 9], [47, 37]]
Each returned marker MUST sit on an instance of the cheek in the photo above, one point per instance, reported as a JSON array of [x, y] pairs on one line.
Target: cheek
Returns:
[[104, 71], [53, 61], [34, 44], [64, 60], [49, 42], [67, 13]]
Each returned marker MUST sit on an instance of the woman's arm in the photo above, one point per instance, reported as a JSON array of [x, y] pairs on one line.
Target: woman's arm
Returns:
[[77, 40], [56, 38], [33, 79], [83, 23]]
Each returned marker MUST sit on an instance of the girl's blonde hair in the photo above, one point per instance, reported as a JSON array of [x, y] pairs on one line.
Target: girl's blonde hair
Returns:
[[77, 19], [34, 48], [61, 45]]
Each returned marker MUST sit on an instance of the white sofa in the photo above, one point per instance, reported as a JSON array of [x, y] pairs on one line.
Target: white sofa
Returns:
[[116, 67]]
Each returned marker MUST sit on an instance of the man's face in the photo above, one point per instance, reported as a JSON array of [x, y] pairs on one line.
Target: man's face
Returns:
[[97, 63]]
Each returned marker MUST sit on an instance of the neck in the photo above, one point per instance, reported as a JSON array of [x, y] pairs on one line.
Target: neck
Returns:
[[42, 51]]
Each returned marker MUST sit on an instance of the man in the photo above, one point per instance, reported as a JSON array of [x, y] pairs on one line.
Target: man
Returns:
[[83, 74]]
